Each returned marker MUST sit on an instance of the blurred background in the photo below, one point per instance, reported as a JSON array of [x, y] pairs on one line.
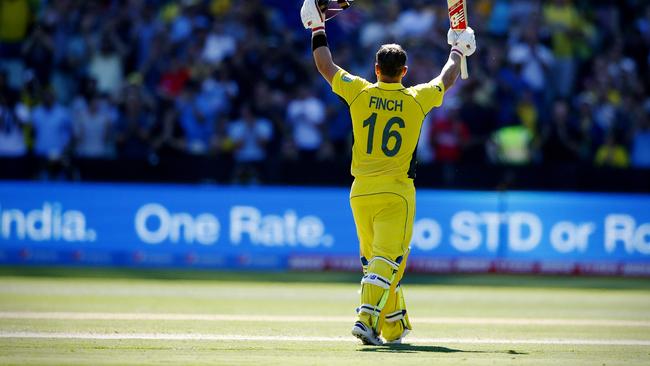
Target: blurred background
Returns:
[[226, 92]]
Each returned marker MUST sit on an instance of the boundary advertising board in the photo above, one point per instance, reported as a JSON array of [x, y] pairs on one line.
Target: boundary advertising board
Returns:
[[291, 228]]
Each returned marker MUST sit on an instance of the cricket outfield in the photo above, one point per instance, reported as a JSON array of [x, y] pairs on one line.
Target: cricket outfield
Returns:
[[102, 317]]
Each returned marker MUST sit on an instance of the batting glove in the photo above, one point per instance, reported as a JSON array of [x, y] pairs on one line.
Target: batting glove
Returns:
[[311, 16], [464, 42], [452, 36]]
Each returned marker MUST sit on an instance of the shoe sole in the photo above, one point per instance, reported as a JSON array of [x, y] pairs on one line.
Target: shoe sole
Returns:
[[365, 339]]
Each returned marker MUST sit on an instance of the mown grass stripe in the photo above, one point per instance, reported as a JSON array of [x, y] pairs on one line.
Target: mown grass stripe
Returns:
[[249, 338], [316, 319]]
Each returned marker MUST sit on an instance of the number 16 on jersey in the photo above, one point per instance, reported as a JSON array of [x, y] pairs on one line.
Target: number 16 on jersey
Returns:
[[458, 23]]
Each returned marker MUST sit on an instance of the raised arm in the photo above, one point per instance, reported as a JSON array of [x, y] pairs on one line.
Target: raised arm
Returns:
[[323, 59], [462, 45], [451, 70], [313, 18]]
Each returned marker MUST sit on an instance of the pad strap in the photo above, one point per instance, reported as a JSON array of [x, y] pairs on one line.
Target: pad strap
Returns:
[[369, 309], [395, 316], [377, 280]]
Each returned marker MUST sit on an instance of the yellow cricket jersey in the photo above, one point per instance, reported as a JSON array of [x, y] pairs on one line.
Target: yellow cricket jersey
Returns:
[[14, 20], [386, 122]]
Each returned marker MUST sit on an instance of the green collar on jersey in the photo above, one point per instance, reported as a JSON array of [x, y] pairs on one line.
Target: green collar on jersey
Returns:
[[390, 86]]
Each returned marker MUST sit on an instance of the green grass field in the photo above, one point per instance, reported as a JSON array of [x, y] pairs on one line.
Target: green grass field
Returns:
[[92, 317]]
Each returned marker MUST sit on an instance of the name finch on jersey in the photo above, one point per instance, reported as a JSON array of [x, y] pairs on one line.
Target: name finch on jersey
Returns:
[[385, 104]]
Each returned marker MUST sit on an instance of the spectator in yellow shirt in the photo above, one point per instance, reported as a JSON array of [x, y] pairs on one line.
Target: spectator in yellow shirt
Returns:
[[15, 18], [568, 29], [612, 155]]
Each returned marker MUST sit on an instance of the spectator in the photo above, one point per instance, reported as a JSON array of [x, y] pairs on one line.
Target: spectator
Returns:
[[569, 31], [38, 53], [167, 139], [106, 64], [641, 143], [559, 137], [215, 97], [306, 115], [338, 127], [133, 128], [376, 29], [173, 80], [511, 145], [93, 130], [424, 151], [502, 90], [146, 31], [218, 45], [605, 109], [250, 136], [449, 136], [416, 21], [15, 18], [611, 154], [271, 104], [500, 18], [184, 23], [53, 127], [197, 123], [6, 91], [590, 135], [12, 138], [533, 59], [529, 116]]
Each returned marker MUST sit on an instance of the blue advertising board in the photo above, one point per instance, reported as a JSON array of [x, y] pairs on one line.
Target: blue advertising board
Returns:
[[312, 229]]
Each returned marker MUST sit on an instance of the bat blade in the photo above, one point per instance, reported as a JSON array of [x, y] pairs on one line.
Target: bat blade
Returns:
[[458, 23], [457, 14]]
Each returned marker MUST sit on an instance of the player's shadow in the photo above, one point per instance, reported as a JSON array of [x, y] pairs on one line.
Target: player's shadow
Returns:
[[412, 348]]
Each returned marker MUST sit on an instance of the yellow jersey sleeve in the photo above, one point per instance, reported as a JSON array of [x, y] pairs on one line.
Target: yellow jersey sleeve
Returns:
[[429, 95], [348, 86]]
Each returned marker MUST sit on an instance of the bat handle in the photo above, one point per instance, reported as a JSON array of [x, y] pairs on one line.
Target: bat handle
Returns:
[[463, 68]]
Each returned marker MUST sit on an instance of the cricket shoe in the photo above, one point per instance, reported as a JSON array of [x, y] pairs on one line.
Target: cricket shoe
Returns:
[[399, 340], [367, 336]]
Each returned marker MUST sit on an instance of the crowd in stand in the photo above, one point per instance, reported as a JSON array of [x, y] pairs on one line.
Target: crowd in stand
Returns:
[[553, 82]]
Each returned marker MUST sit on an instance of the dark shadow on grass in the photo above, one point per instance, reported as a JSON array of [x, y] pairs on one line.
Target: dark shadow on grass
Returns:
[[412, 348]]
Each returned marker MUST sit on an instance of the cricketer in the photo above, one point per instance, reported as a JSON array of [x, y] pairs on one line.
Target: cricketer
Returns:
[[386, 122]]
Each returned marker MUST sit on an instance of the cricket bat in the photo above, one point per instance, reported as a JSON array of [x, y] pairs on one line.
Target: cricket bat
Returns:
[[391, 290], [458, 22], [332, 8]]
